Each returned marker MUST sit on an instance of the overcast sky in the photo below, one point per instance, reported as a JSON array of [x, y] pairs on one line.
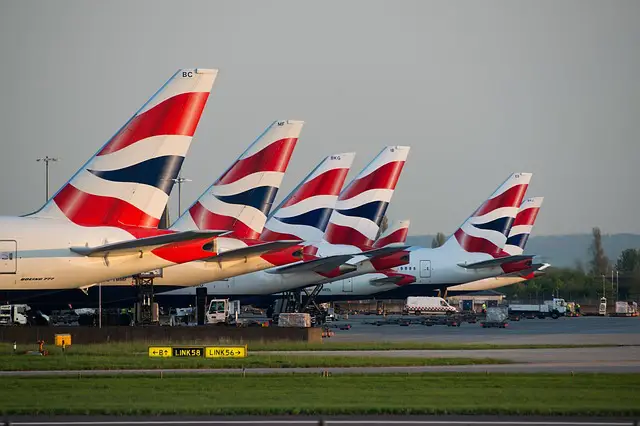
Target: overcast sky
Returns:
[[478, 89]]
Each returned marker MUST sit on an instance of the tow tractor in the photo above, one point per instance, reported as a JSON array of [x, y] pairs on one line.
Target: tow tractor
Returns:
[[223, 311]]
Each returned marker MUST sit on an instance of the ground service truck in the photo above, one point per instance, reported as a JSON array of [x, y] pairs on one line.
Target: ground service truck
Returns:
[[550, 308], [419, 305]]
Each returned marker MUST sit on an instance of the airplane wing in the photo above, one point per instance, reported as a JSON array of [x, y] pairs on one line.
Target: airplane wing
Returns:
[[144, 244], [255, 250], [494, 263], [326, 264], [323, 264]]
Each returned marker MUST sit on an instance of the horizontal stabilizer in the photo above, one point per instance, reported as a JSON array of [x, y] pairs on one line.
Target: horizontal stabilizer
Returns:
[[384, 251], [535, 269], [250, 251], [144, 244], [495, 263], [323, 264]]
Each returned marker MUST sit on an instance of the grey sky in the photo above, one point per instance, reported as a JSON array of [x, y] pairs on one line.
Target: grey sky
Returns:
[[478, 89]]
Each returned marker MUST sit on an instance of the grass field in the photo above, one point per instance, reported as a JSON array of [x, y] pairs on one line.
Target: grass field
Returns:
[[344, 394], [141, 347], [142, 361]]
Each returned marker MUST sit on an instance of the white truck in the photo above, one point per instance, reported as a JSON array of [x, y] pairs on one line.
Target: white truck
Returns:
[[14, 314], [554, 308], [418, 305], [223, 311]]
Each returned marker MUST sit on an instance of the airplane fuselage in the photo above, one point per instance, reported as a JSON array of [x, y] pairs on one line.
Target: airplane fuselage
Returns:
[[35, 254]]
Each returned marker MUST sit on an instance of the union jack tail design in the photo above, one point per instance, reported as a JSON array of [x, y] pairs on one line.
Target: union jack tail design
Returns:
[[127, 183], [241, 198], [395, 234], [305, 213], [523, 225], [486, 230], [363, 203]]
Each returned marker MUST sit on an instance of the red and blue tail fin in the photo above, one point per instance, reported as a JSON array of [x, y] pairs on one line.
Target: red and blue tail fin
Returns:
[[486, 230], [396, 233], [363, 203], [127, 183], [523, 225], [305, 213], [241, 198]]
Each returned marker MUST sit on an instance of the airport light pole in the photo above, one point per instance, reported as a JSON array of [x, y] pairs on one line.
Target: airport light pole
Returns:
[[604, 290], [46, 159], [180, 180]]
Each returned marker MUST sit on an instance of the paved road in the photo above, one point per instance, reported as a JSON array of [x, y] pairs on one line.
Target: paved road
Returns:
[[306, 421], [583, 330], [552, 355]]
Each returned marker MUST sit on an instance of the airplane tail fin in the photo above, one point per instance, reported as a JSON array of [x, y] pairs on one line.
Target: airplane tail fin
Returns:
[[396, 233], [363, 203], [523, 225], [304, 213], [241, 198], [128, 181], [486, 230]]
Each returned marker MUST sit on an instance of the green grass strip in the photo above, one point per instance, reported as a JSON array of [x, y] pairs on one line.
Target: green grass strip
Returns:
[[515, 394], [119, 348], [142, 361]]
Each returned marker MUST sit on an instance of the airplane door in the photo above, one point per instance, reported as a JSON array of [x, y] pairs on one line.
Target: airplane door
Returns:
[[347, 285], [8, 257], [425, 269]]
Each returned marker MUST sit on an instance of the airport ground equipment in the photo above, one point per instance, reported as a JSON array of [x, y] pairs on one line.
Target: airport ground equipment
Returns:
[[14, 314], [223, 311], [420, 305], [626, 309], [497, 316], [602, 308], [554, 308]]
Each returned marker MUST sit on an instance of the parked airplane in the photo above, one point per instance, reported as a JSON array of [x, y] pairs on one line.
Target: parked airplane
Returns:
[[102, 223], [236, 202], [361, 205], [473, 252], [396, 233], [518, 236]]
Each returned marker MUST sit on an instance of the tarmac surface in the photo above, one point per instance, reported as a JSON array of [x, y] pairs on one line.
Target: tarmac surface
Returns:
[[306, 421], [581, 330]]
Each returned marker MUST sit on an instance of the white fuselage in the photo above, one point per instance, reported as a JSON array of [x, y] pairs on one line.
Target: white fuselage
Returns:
[[267, 282], [199, 272], [431, 268], [35, 254]]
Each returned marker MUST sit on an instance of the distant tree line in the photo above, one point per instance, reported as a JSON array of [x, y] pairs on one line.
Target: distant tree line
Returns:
[[580, 284]]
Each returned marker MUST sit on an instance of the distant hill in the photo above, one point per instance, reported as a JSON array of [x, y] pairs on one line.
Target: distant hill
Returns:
[[562, 250]]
